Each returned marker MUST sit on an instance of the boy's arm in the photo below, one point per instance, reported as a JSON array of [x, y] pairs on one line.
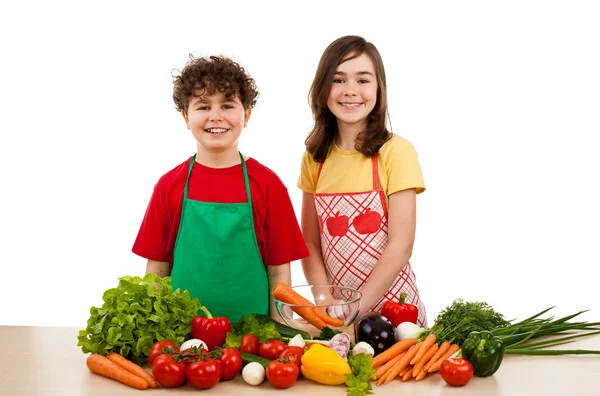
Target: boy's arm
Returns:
[[160, 268], [277, 273], [313, 266], [401, 231]]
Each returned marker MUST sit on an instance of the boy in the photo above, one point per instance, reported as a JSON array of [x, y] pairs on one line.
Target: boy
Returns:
[[217, 220]]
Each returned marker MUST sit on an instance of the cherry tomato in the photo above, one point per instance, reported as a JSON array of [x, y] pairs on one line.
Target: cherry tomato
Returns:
[[456, 371], [231, 363], [282, 375], [204, 374], [168, 372], [157, 349], [293, 354], [270, 349], [250, 344]]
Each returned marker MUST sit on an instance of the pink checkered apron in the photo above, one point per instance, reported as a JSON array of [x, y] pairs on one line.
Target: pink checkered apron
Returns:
[[353, 229]]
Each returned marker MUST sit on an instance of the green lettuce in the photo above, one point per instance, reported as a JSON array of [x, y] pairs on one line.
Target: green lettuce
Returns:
[[135, 315]]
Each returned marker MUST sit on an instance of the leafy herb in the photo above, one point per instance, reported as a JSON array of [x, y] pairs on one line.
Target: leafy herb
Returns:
[[455, 322], [327, 333], [250, 325], [135, 315], [362, 373]]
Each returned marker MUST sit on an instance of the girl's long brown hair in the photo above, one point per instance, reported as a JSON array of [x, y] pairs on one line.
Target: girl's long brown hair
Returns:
[[324, 131]]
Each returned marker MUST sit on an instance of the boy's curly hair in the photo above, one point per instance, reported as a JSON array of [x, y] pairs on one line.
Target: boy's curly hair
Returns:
[[206, 75]]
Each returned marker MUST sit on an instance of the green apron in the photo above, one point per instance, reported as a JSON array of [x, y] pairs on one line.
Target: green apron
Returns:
[[216, 256]]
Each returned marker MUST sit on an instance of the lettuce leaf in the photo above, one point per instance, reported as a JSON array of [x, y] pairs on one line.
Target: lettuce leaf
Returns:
[[135, 315]]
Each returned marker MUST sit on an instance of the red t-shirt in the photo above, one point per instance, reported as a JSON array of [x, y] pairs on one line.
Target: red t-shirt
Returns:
[[278, 235]]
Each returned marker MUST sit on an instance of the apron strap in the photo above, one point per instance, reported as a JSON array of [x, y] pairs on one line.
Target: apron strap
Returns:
[[246, 180], [187, 179], [375, 172]]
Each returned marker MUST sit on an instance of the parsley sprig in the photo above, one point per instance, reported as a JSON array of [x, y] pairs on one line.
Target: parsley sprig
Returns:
[[358, 381]]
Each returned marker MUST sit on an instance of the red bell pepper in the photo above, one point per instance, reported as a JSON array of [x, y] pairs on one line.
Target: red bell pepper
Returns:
[[398, 312], [210, 330]]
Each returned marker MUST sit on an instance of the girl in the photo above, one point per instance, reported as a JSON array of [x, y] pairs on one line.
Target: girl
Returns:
[[359, 182]]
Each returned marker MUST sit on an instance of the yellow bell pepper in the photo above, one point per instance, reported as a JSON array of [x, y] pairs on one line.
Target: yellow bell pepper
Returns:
[[324, 366]]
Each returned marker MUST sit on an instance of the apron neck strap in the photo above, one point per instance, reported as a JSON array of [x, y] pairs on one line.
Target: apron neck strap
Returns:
[[246, 180], [375, 172]]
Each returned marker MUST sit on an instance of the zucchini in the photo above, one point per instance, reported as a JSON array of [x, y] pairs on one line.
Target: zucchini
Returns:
[[285, 331], [248, 358]]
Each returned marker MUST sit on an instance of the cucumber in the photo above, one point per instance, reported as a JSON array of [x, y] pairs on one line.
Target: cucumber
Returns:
[[248, 358], [285, 331]]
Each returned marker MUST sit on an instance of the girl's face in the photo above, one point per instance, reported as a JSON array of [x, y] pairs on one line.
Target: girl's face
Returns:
[[353, 93]]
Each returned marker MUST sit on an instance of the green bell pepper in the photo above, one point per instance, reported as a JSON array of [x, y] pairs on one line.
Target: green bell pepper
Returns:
[[484, 351]]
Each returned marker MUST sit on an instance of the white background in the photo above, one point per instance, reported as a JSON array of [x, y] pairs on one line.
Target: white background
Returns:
[[502, 102]]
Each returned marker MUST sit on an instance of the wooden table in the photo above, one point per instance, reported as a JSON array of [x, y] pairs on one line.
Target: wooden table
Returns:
[[46, 361]]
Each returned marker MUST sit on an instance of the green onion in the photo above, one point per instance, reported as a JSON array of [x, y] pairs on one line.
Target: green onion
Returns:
[[517, 336]]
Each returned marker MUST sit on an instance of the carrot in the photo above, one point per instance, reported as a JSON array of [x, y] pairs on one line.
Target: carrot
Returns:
[[335, 322], [381, 371], [403, 363], [286, 294], [387, 377], [100, 365], [421, 375], [406, 370], [451, 351], [419, 365], [408, 375], [132, 368], [427, 342], [393, 351], [442, 349]]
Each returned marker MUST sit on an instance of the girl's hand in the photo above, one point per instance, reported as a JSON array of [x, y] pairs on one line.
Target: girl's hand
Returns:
[[338, 311]]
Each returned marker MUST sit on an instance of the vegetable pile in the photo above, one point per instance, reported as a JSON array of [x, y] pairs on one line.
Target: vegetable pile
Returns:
[[135, 315]]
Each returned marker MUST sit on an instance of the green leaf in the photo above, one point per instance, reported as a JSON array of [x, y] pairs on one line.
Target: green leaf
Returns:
[[327, 334], [135, 315], [358, 381]]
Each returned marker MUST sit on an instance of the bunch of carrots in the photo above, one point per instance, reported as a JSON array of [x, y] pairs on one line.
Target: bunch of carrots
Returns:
[[117, 367], [314, 315], [411, 359]]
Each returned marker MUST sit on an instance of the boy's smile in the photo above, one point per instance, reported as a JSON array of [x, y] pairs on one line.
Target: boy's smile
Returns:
[[216, 122]]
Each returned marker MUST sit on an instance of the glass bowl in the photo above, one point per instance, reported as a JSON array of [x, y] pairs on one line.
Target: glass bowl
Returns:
[[338, 302]]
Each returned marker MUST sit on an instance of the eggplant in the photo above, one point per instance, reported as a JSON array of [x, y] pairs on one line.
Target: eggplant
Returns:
[[377, 331]]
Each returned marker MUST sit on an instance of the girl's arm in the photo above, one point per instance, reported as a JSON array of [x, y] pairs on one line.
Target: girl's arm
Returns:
[[160, 268], [277, 273], [313, 266], [401, 233]]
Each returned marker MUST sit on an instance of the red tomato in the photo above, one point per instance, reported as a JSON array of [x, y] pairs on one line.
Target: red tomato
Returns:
[[456, 371], [231, 363], [293, 354], [168, 372], [157, 349], [270, 349], [204, 374], [250, 344], [282, 375]]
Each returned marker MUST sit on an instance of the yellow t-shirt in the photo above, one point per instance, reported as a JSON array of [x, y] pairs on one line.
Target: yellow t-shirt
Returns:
[[350, 171]]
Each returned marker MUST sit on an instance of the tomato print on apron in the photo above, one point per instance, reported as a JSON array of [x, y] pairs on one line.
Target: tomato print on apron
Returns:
[[354, 234]]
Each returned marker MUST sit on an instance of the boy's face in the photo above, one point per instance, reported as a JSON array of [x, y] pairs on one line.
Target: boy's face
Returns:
[[216, 122]]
